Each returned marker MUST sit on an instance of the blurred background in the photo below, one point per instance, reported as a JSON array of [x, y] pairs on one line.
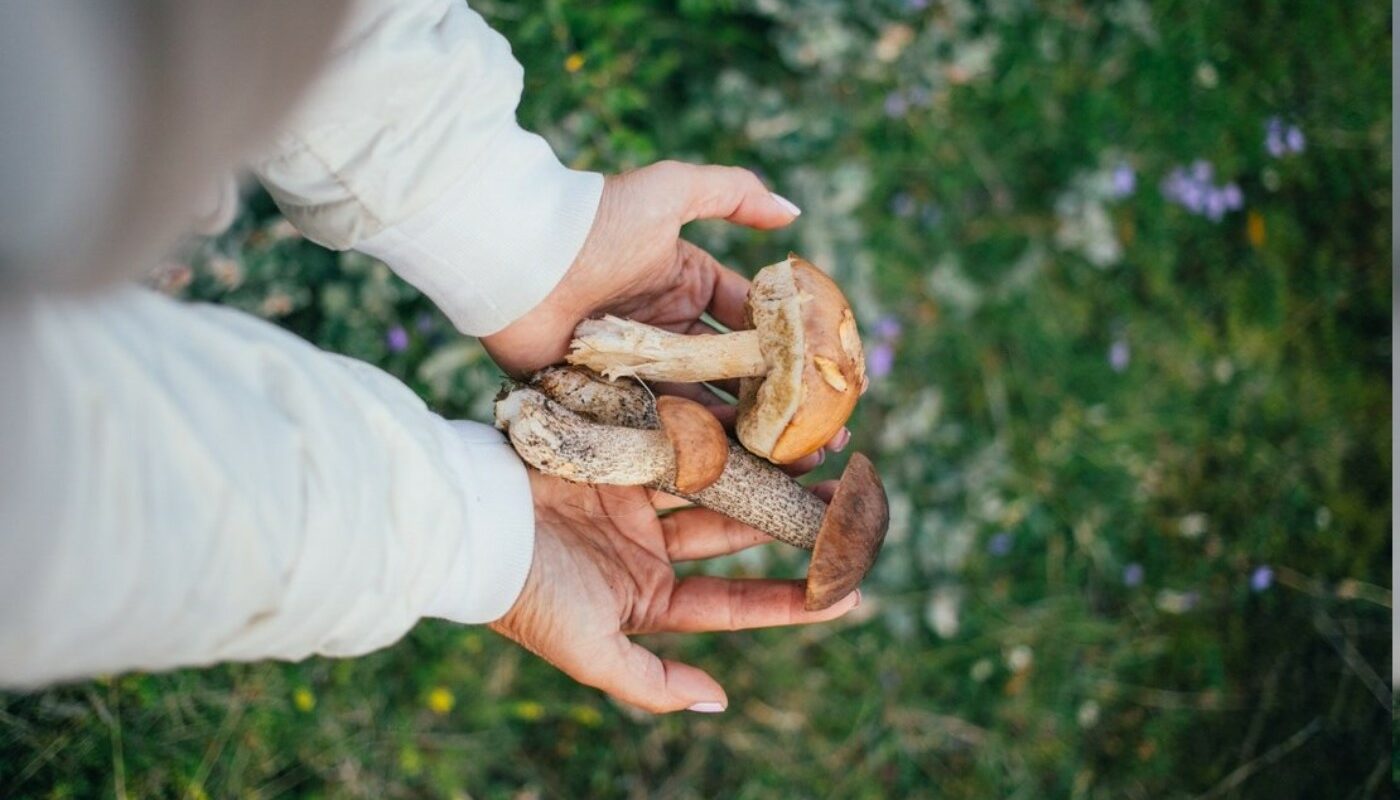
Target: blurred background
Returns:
[[1123, 274]]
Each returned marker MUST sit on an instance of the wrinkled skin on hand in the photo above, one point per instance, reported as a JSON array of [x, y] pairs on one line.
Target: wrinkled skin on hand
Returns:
[[603, 570], [635, 264]]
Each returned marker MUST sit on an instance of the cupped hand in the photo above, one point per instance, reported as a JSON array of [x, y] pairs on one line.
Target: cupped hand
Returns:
[[635, 264], [603, 570]]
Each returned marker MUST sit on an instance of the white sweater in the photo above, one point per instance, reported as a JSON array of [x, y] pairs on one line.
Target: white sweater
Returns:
[[186, 484]]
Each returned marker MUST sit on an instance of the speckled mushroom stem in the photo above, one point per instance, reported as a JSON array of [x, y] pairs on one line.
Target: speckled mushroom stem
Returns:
[[617, 348], [617, 417]]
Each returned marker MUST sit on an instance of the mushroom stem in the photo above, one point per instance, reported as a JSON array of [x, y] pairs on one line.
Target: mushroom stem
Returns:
[[561, 441], [563, 444], [618, 347]]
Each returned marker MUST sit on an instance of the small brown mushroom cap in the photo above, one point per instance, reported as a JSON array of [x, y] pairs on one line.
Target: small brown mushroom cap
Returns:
[[850, 537], [816, 369], [698, 441]]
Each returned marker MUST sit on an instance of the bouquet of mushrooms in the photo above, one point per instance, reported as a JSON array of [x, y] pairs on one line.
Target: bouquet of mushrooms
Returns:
[[801, 371]]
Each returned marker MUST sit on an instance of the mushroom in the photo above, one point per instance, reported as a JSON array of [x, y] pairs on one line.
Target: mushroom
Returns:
[[577, 426], [801, 364]]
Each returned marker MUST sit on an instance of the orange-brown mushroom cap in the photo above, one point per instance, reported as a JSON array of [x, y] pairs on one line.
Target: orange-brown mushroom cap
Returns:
[[697, 439], [816, 367], [850, 536]]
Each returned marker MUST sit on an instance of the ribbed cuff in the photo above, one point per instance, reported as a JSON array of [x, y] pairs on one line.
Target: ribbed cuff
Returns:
[[499, 239], [498, 544]]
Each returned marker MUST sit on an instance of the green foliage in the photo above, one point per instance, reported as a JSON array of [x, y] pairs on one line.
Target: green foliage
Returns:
[[1106, 413]]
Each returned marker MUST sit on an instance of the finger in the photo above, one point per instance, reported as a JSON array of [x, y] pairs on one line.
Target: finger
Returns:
[[697, 533], [728, 289], [661, 501], [805, 464], [729, 193], [703, 603], [839, 441], [637, 677]]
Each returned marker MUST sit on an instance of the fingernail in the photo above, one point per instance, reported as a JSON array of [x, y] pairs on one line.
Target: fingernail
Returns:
[[821, 457], [842, 439], [787, 204], [707, 707], [857, 605]]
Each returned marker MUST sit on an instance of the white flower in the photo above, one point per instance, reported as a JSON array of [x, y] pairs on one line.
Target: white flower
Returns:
[[1171, 601], [1206, 75], [1088, 715], [941, 613], [1223, 370], [1019, 658], [1192, 526], [1323, 517], [982, 670]]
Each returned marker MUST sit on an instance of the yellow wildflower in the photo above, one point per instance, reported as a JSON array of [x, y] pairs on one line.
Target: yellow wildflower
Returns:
[[586, 716], [410, 760], [441, 700], [1254, 229], [573, 63], [528, 710], [303, 699]]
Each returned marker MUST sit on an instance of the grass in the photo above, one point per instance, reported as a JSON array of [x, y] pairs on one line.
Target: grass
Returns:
[[1107, 420]]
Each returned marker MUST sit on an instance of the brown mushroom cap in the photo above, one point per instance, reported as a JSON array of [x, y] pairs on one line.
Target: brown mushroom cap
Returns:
[[697, 439], [816, 369], [850, 537]]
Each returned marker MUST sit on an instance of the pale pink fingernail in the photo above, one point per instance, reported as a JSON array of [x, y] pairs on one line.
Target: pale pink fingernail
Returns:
[[842, 439], [857, 603], [787, 204], [707, 707]]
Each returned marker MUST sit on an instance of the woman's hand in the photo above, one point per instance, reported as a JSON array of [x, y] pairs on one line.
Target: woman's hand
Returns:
[[603, 570], [634, 263]]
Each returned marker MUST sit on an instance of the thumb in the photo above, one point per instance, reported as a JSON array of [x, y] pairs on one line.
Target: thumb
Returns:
[[734, 194], [637, 677]]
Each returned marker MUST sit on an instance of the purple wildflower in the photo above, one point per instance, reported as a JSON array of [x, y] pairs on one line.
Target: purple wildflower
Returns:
[[1214, 204], [888, 327], [1124, 180], [916, 5], [1194, 190], [1294, 139], [396, 339], [1133, 575], [880, 360], [903, 205], [1000, 544], [1119, 354], [896, 104], [1280, 139], [1262, 578], [1234, 198], [424, 323], [1273, 138]]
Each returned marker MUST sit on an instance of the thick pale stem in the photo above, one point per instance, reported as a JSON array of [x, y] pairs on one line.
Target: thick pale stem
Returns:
[[750, 490], [619, 347], [560, 443]]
